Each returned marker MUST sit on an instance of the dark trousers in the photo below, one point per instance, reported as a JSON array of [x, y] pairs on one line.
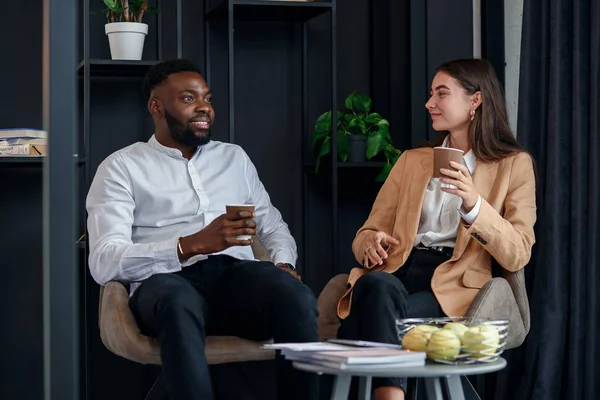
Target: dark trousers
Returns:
[[225, 296], [379, 298]]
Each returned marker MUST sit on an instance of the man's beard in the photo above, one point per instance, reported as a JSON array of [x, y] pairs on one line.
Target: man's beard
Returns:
[[184, 135]]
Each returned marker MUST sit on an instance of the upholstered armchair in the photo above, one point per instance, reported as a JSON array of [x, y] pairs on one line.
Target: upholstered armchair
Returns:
[[503, 297], [120, 334]]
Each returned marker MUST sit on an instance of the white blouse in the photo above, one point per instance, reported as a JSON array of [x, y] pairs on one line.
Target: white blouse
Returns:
[[441, 212]]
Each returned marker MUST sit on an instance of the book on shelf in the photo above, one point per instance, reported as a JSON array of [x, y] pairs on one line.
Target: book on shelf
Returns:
[[16, 141], [23, 142], [11, 134], [23, 150]]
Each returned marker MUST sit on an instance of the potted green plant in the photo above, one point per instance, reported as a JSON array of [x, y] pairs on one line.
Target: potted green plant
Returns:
[[361, 134], [125, 30]]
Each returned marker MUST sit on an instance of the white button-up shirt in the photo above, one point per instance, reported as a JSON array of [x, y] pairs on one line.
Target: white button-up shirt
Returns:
[[145, 196], [441, 212]]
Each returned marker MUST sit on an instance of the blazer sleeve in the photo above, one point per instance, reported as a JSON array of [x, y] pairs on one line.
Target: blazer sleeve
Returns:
[[383, 213], [509, 237]]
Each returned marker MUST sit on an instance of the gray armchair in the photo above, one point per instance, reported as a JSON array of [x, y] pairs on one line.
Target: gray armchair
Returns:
[[120, 334], [500, 298]]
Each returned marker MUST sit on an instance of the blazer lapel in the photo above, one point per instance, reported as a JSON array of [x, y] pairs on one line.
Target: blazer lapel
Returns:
[[483, 179], [420, 179]]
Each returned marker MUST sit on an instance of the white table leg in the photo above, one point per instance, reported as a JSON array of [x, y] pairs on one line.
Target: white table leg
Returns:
[[364, 388], [454, 386], [433, 388], [341, 387]]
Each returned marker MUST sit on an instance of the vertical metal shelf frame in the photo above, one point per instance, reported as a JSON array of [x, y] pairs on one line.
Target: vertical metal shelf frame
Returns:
[[159, 40], [305, 123], [334, 152], [60, 268], [230, 66], [86, 140], [179, 29], [418, 67], [83, 371], [304, 126]]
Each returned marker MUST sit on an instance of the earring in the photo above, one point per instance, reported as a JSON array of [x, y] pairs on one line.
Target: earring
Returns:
[[472, 115]]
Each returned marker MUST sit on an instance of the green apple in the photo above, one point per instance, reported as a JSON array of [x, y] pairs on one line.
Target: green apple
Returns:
[[417, 338], [481, 341], [426, 328], [457, 328], [443, 345]]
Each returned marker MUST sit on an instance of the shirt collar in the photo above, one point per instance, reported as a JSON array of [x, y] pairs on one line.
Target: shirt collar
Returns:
[[171, 152], [469, 160]]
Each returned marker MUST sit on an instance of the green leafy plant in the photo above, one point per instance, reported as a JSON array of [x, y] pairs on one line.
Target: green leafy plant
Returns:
[[391, 154], [126, 10], [357, 119]]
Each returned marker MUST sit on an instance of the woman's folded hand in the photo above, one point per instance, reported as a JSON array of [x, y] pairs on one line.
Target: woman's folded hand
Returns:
[[377, 246]]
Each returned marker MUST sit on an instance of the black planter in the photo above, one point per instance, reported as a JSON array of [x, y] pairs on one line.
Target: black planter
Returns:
[[357, 148]]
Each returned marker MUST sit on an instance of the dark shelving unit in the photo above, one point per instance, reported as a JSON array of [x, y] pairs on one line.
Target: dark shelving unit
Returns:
[[114, 68], [310, 168], [366, 164], [22, 160], [268, 11], [229, 12], [91, 69], [34, 160]]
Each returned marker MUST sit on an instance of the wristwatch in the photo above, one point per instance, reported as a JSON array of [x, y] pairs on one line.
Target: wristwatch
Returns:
[[290, 266]]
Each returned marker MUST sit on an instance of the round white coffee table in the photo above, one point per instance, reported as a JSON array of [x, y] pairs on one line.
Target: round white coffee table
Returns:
[[434, 374]]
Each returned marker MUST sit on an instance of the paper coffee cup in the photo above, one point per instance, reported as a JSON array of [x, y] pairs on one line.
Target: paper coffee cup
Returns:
[[234, 208], [442, 157]]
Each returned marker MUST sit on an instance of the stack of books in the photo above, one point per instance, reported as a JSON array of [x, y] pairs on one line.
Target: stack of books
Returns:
[[353, 355], [23, 142]]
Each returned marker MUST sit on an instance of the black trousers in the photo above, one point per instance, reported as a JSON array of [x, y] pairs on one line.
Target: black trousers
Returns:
[[379, 298], [225, 296]]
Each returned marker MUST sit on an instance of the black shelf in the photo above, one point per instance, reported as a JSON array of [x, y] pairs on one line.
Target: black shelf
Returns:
[[310, 168], [116, 68], [22, 160], [270, 11], [366, 164], [33, 160]]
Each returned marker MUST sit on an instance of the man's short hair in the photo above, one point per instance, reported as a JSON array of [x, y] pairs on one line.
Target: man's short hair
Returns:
[[159, 73]]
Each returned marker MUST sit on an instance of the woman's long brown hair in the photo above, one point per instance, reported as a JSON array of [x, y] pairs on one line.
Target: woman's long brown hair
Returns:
[[489, 133]]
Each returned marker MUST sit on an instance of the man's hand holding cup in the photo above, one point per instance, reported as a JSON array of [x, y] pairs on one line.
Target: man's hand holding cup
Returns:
[[234, 228]]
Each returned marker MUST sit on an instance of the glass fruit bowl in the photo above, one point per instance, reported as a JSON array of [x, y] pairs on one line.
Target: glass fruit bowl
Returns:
[[454, 340]]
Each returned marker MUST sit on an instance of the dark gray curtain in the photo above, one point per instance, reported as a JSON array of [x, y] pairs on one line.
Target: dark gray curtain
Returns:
[[559, 116]]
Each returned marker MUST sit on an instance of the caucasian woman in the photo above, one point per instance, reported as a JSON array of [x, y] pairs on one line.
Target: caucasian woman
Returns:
[[428, 243]]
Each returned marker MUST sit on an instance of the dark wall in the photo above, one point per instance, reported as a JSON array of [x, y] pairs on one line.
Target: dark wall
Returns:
[[378, 54], [440, 31], [21, 202], [21, 67]]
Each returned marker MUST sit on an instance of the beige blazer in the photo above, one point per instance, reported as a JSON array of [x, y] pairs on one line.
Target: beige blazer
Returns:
[[502, 230]]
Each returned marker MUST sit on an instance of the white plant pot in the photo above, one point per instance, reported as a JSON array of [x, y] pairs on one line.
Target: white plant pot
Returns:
[[126, 39]]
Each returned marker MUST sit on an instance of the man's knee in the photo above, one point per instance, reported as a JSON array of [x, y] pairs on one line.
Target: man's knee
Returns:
[[173, 294], [297, 299], [295, 313], [379, 284]]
